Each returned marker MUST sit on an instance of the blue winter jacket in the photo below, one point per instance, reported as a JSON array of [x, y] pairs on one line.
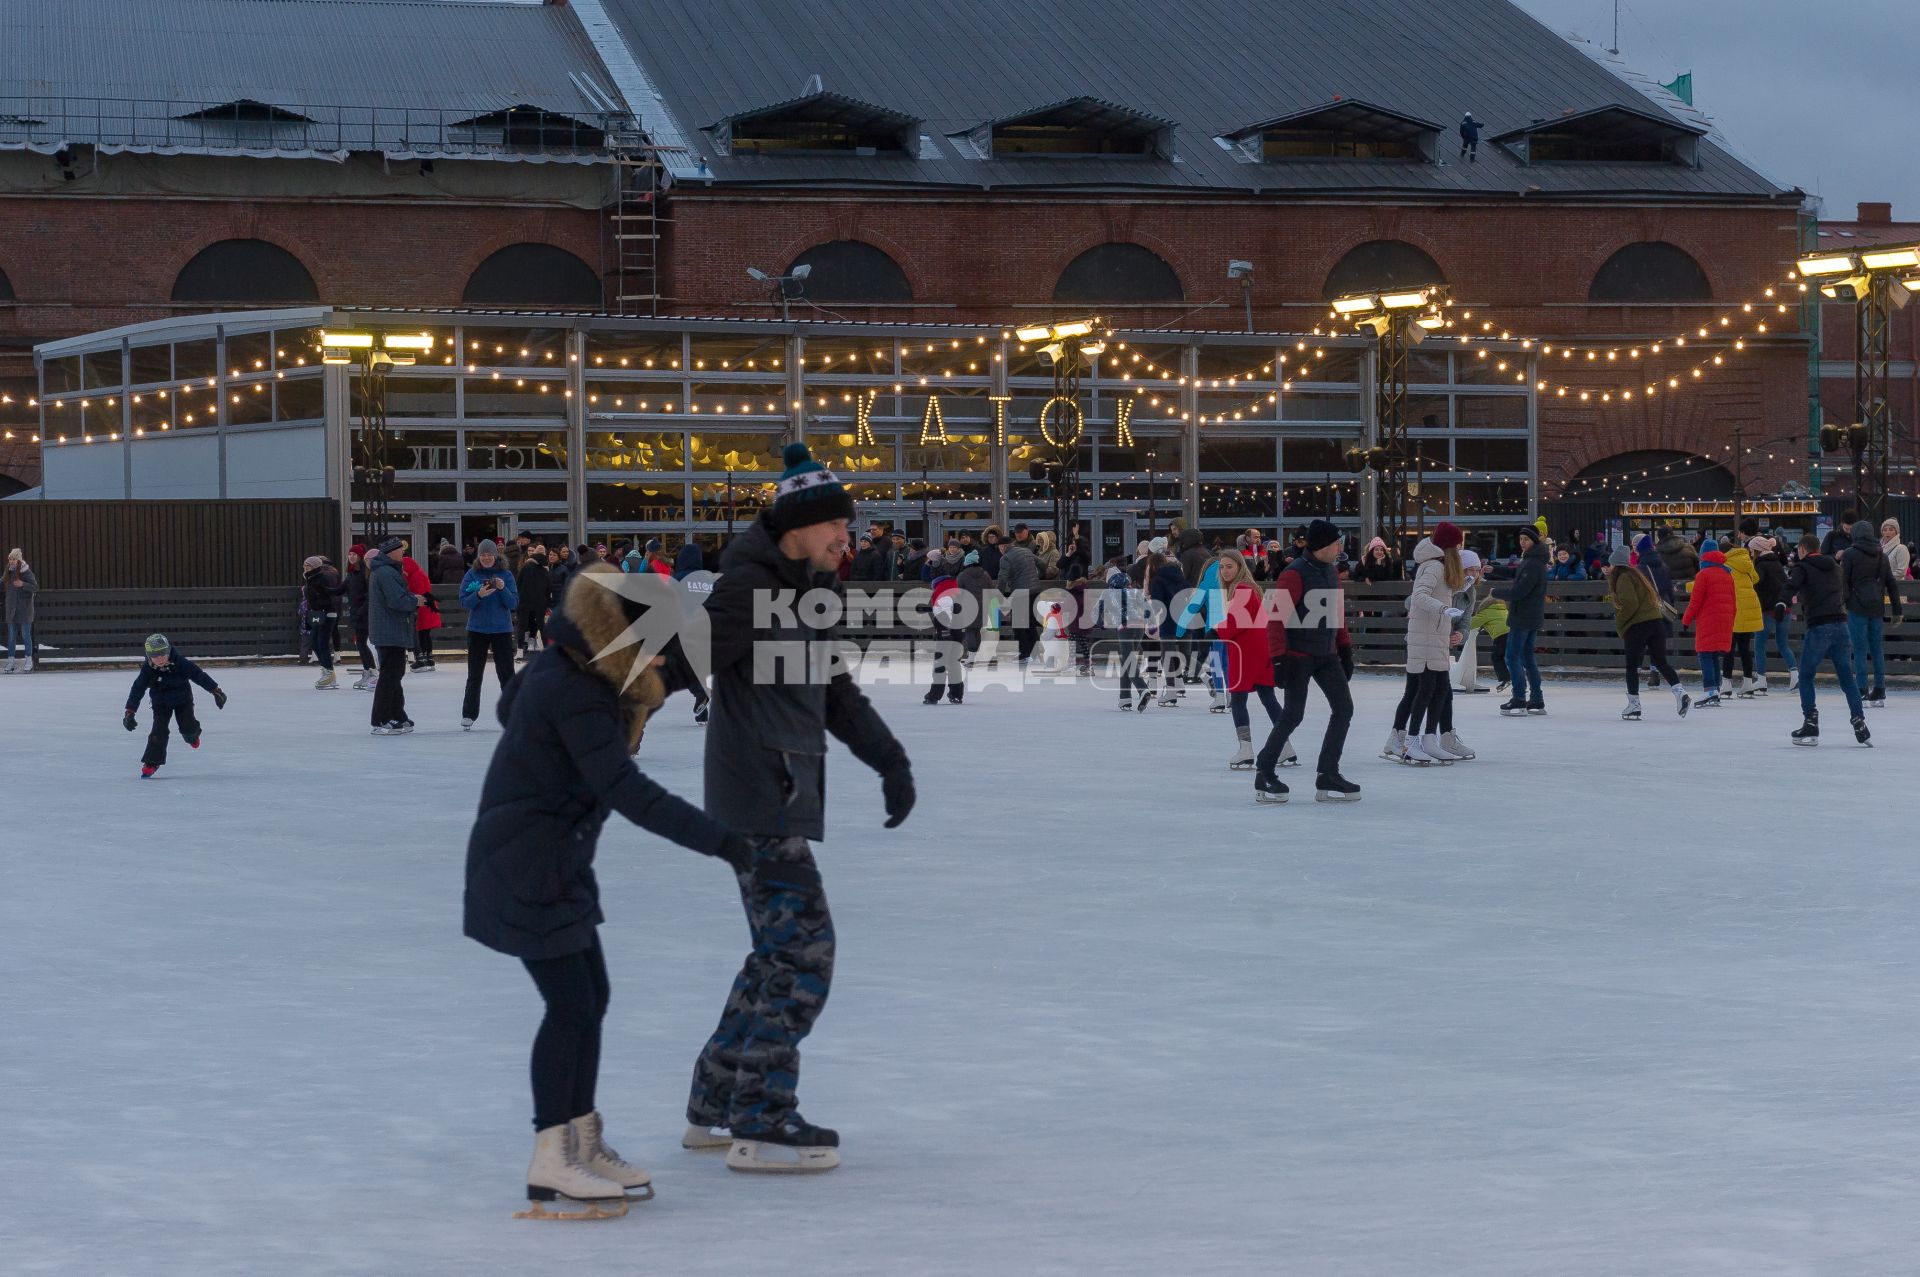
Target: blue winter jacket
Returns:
[[1568, 571], [1206, 606], [170, 684], [492, 613], [1656, 570]]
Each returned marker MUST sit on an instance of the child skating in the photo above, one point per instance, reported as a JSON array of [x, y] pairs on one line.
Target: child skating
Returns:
[[167, 681]]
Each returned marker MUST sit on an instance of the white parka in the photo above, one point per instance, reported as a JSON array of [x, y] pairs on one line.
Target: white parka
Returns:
[[1427, 624]]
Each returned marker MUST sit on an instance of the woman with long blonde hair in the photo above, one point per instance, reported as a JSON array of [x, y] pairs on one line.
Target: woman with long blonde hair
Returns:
[[1248, 669]]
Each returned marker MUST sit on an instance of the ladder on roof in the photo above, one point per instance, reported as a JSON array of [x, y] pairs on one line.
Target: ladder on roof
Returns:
[[632, 224]]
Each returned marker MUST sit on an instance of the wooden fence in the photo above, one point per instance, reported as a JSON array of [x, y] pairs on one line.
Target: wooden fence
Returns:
[[168, 545]]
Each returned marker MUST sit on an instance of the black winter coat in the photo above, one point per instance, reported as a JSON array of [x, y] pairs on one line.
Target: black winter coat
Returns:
[[1817, 583], [357, 598], [766, 749], [1772, 585], [1165, 589], [535, 587], [323, 591], [169, 684], [1869, 576], [1527, 595], [563, 764], [1680, 559]]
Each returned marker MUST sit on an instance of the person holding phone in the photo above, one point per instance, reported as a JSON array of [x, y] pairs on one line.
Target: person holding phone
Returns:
[[489, 594]]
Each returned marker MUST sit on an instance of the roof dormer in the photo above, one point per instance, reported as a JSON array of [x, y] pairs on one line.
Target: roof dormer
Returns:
[[1344, 129], [819, 122], [524, 127], [1606, 135], [1073, 127]]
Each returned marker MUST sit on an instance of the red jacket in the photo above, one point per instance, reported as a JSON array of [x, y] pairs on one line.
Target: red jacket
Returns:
[[1244, 630], [1712, 608], [428, 617], [1292, 587]]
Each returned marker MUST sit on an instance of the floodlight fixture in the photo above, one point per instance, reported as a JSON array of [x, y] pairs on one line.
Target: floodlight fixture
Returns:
[[755, 273], [351, 341], [1034, 334], [1850, 289], [1356, 305], [1891, 259], [1078, 328], [335, 355], [1237, 269], [1092, 348], [1053, 352], [1431, 322], [407, 341], [1412, 300], [1822, 265], [800, 272]]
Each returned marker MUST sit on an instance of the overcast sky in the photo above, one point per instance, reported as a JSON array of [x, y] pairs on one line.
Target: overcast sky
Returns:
[[1824, 96]]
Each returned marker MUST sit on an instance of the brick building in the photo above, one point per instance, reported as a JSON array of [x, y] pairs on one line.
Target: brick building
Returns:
[[986, 162]]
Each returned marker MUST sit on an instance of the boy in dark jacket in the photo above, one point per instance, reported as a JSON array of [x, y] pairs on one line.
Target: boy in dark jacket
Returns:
[[1526, 599], [1310, 635], [777, 694], [167, 680], [563, 765], [1817, 582]]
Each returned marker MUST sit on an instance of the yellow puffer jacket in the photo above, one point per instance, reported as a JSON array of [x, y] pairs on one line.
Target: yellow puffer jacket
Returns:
[[1746, 599]]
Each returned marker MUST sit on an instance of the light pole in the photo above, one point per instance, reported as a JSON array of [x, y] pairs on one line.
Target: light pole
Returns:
[[374, 357], [1062, 420], [1878, 282], [1399, 321], [786, 288]]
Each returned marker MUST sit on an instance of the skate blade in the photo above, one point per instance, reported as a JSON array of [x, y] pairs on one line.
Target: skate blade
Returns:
[[1241, 767], [701, 1139], [1271, 800], [588, 1211], [752, 1156], [1328, 796], [1289, 762]]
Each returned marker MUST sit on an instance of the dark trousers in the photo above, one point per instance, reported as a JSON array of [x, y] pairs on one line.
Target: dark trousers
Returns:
[[1431, 689], [366, 651], [1026, 637], [320, 632], [566, 1050], [1648, 639], [1743, 648], [1498, 646], [479, 648], [423, 645], [1297, 671], [748, 1073], [389, 701], [948, 672], [530, 624], [1237, 706], [156, 754]]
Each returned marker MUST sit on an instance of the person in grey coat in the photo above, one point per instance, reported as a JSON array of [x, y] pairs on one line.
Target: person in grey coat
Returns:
[[1526, 598], [1020, 572], [776, 698], [21, 585], [974, 580], [390, 625]]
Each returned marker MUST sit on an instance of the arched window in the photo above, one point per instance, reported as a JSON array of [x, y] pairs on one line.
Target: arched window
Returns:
[[847, 270], [6, 287], [1382, 264], [533, 276], [1118, 273], [1655, 476], [1651, 271], [250, 271]]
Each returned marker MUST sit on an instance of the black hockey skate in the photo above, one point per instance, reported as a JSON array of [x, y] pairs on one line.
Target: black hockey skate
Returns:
[[701, 712], [954, 697], [1860, 732], [931, 698], [1267, 788], [794, 1146], [1808, 733], [1332, 787], [1514, 709], [1536, 706]]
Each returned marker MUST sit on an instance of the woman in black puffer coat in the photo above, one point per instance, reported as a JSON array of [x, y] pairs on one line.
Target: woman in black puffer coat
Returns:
[[564, 763]]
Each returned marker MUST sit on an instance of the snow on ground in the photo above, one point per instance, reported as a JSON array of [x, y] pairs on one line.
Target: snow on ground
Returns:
[[1614, 999]]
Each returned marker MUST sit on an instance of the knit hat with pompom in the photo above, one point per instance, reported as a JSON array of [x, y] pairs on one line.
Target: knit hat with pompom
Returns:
[[808, 493]]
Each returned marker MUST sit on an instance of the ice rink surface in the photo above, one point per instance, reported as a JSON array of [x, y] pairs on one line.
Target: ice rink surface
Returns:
[[1614, 999]]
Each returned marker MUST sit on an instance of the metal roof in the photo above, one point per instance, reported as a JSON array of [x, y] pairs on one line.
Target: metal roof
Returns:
[[405, 77], [1348, 113], [1210, 66], [1616, 121]]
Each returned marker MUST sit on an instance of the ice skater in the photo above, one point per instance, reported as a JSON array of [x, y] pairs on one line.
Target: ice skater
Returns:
[[562, 764], [1711, 610], [1308, 623], [1247, 667], [777, 694], [1526, 599], [1438, 576], [1816, 580], [391, 609], [1637, 619], [167, 681], [489, 594]]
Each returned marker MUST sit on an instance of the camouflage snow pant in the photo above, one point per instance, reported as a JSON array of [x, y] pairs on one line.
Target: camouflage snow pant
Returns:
[[750, 1068]]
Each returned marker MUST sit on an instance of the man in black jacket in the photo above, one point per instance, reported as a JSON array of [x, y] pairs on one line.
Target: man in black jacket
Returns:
[[1817, 582], [535, 587], [1870, 587], [777, 693], [563, 764], [1526, 601]]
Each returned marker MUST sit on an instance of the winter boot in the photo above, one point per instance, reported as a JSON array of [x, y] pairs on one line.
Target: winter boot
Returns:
[[557, 1172], [1396, 745], [1415, 753], [599, 1158], [1243, 756], [1808, 733], [1681, 701], [327, 682], [1267, 788], [1632, 712], [1332, 787], [1434, 750], [1860, 732], [1452, 743], [795, 1146]]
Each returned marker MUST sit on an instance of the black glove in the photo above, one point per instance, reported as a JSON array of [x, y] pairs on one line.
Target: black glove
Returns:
[[736, 851], [128, 721], [1346, 663], [1780, 609], [896, 788], [219, 699]]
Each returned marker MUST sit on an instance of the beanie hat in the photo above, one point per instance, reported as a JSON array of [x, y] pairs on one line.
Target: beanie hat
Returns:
[[391, 544], [358, 549], [1621, 557], [1541, 523], [1709, 546], [1749, 527], [157, 645], [973, 557], [1760, 545], [1531, 533], [1378, 544], [807, 493], [313, 561], [1321, 534], [487, 546], [1158, 545], [1446, 536], [653, 545]]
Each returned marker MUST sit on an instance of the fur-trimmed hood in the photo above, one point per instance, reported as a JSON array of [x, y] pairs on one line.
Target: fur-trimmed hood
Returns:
[[588, 629]]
